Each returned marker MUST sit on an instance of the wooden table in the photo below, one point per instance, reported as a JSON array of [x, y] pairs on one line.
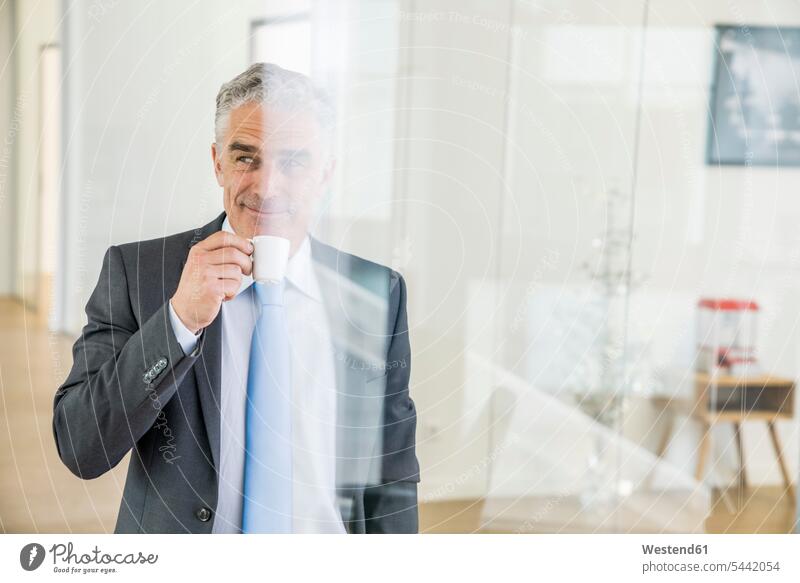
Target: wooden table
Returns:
[[734, 400]]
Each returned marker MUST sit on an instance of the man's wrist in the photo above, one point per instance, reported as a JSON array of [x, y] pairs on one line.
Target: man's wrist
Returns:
[[185, 336], [195, 332]]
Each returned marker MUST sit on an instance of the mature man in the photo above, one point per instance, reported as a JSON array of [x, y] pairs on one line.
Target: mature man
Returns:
[[248, 408]]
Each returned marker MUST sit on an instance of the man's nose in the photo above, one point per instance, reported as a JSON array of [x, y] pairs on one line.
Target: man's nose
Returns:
[[267, 182]]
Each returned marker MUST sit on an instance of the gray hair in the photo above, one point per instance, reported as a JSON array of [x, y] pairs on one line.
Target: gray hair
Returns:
[[270, 84]]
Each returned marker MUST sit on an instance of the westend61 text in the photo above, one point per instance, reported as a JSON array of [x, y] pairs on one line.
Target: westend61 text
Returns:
[[675, 550]]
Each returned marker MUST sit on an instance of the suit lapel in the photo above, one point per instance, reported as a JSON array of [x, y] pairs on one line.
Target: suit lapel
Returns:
[[208, 377], [207, 372], [356, 318]]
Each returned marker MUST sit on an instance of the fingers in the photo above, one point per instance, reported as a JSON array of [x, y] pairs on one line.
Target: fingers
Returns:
[[222, 239], [228, 288], [226, 271], [231, 255], [228, 280]]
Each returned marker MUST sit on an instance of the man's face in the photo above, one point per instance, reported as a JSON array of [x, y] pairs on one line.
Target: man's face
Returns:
[[273, 168]]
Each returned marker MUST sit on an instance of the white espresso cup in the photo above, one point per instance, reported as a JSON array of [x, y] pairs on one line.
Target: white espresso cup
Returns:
[[270, 257]]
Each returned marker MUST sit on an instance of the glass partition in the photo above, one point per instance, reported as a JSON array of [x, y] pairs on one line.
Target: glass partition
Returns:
[[591, 204]]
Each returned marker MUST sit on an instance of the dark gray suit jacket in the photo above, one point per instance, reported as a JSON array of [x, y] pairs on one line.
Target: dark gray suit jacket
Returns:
[[131, 387]]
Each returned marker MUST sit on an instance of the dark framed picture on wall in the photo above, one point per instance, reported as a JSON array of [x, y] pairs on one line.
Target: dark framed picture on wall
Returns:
[[754, 109]]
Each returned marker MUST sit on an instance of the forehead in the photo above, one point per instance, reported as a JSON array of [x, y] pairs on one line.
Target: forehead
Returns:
[[258, 124]]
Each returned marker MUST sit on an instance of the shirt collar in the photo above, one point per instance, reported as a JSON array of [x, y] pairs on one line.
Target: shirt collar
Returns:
[[299, 270]]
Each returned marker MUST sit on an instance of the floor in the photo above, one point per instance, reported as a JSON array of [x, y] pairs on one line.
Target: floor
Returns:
[[757, 510], [38, 494]]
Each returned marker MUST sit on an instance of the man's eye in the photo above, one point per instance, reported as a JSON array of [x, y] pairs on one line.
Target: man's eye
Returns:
[[245, 159], [291, 164]]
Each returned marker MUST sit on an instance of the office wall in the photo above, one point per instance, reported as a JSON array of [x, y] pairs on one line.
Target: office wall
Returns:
[[449, 194], [9, 130], [37, 25]]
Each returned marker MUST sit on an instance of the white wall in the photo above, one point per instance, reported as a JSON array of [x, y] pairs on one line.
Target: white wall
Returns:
[[37, 25], [450, 180], [9, 131]]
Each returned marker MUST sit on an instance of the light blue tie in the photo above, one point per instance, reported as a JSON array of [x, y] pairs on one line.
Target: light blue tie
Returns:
[[267, 504]]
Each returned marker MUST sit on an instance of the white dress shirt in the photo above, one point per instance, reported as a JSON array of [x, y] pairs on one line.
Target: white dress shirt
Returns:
[[313, 399]]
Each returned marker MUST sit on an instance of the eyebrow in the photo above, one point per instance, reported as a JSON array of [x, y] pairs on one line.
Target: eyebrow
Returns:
[[301, 154], [234, 146]]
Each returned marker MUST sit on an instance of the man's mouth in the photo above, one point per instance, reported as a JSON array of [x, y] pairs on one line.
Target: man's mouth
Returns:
[[274, 211]]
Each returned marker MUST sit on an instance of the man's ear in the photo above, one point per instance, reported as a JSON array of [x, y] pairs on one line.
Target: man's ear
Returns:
[[327, 173], [216, 158]]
